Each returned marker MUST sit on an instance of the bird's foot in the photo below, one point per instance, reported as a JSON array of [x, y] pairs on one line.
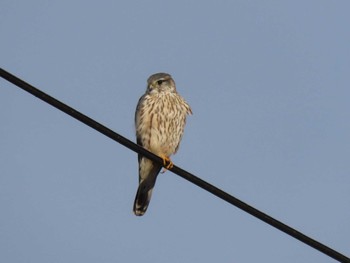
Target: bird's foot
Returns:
[[168, 164]]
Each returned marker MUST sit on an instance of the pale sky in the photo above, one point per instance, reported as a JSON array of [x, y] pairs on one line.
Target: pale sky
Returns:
[[268, 82]]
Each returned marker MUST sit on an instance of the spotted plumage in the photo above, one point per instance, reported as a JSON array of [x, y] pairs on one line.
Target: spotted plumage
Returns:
[[160, 119]]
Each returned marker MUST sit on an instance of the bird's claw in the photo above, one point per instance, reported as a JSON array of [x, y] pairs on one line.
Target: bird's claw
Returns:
[[168, 164]]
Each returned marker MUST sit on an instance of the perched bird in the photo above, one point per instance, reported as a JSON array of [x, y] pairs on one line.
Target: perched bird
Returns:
[[160, 120]]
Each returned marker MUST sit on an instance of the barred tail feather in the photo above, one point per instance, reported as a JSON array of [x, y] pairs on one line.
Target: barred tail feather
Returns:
[[148, 173], [142, 199]]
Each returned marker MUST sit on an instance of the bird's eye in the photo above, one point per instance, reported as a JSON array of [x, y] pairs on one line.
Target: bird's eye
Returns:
[[159, 82]]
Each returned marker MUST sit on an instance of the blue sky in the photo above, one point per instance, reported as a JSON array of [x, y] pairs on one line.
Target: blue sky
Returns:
[[268, 82]]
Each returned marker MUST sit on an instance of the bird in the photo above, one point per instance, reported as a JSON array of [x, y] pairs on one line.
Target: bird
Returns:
[[160, 119]]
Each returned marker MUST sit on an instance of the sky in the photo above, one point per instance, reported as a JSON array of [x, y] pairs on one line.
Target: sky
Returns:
[[268, 83]]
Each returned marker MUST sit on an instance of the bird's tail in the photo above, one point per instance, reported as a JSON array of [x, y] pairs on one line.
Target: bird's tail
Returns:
[[144, 192], [142, 199]]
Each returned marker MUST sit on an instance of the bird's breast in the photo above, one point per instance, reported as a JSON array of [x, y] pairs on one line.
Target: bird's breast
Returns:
[[161, 125]]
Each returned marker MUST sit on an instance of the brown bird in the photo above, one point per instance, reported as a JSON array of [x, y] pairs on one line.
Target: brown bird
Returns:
[[160, 120]]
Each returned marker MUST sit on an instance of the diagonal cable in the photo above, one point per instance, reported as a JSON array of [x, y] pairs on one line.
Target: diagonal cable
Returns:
[[177, 170]]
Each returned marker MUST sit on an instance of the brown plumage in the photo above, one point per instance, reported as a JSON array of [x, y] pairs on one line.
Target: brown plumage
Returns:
[[160, 120]]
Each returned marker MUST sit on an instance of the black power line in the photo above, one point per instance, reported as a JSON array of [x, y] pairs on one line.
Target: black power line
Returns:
[[177, 170]]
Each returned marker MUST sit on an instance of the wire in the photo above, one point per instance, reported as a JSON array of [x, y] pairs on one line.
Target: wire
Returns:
[[177, 170]]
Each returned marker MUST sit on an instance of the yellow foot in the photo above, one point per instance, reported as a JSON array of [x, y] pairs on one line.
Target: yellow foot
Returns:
[[167, 163]]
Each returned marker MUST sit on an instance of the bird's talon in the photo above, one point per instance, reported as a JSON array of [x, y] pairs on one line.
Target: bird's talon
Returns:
[[167, 163], [170, 165]]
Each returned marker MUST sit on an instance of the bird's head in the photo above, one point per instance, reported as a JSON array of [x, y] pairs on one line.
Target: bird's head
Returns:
[[160, 82]]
